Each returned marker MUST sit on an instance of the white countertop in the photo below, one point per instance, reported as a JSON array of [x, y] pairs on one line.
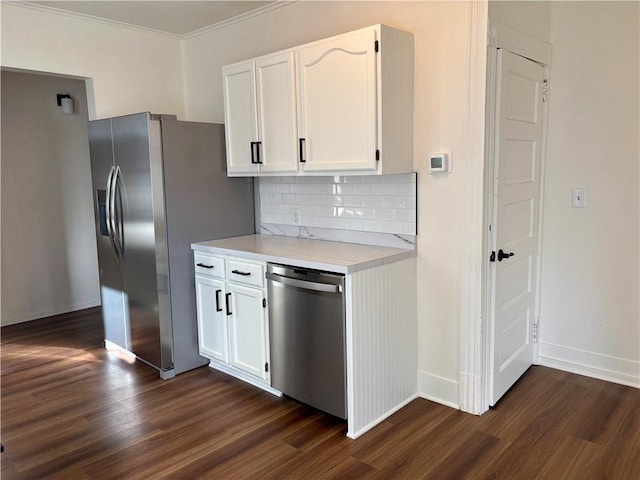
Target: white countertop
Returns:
[[307, 253]]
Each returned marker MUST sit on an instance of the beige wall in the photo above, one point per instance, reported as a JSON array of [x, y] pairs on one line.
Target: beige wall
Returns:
[[589, 313], [590, 318], [135, 70], [49, 261], [589, 293], [132, 71], [532, 18], [441, 31]]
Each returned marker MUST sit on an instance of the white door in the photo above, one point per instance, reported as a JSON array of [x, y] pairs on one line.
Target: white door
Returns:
[[212, 318], [248, 340], [338, 100], [240, 117], [277, 124], [516, 186]]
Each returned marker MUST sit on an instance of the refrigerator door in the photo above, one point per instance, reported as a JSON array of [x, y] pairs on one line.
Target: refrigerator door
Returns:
[[142, 237], [202, 203], [114, 301]]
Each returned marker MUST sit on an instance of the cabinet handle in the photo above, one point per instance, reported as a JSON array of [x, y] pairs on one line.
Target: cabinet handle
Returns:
[[218, 309], [238, 272], [204, 265], [258, 145], [253, 155], [226, 303], [302, 142]]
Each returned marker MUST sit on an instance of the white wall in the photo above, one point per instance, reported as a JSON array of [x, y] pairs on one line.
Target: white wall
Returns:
[[128, 71], [132, 70], [531, 18], [590, 318], [441, 31], [49, 261]]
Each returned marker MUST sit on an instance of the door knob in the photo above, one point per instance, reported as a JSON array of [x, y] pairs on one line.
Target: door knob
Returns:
[[502, 255]]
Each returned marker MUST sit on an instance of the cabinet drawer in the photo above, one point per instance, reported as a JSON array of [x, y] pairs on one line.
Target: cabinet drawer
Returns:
[[247, 273], [209, 265]]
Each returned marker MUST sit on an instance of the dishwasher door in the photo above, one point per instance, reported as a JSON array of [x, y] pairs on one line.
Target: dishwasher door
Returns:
[[307, 336]]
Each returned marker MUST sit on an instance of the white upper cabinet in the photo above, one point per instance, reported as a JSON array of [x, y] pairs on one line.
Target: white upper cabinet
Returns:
[[338, 103], [241, 127], [260, 115], [277, 129], [338, 106]]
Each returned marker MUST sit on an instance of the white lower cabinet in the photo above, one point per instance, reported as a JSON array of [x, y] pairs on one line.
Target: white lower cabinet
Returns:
[[248, 330], [212, 318], [380, 305], [232, 318]]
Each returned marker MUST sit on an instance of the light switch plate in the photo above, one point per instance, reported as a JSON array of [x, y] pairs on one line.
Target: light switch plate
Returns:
[[578, 197]]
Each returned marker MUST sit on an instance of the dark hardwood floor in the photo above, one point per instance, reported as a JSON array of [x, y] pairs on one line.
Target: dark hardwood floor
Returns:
[[71, 410]]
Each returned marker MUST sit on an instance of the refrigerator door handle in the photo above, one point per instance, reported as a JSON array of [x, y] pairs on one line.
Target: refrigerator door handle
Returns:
[[109, 212], [118, 233]]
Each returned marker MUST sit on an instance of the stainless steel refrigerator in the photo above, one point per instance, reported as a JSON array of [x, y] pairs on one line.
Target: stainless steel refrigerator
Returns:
[[159, 184]]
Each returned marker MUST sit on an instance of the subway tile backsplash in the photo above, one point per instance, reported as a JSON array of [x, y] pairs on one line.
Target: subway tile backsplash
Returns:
[[383, 204]]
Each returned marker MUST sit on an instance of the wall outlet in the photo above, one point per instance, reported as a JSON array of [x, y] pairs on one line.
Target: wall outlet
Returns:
[[296, 216]]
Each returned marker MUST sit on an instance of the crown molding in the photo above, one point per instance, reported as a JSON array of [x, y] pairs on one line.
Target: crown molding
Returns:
[[239, 18], [129, 26], [90, 18]]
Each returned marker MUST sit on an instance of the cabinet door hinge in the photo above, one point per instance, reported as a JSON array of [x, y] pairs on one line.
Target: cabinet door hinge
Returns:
[[377, 46], [266, 366], [545, 90], [535, 331], [377, 155], [264, 303]]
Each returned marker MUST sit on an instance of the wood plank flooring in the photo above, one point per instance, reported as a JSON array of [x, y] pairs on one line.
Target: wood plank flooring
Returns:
[[71, 410]]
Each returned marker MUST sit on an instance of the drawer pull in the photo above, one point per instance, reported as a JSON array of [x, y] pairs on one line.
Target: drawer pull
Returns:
[[238, 272], [204, 265]]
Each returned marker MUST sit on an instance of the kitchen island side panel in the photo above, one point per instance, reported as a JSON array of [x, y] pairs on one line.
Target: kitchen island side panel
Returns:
[[382, 353]]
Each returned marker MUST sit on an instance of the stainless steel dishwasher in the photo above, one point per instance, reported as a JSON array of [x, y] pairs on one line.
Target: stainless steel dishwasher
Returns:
[[307, 336]]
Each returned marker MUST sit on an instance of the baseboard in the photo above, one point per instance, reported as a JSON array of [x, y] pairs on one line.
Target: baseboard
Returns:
[[438, 389], [250, 379], [57, 310], [590, 364]]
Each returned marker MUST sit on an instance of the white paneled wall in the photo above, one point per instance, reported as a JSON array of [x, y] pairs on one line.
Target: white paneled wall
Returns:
[[384, 204], [382, 356]]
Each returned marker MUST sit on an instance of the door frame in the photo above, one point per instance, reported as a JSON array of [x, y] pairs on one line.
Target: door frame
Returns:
[[475, 341], [502, 37]]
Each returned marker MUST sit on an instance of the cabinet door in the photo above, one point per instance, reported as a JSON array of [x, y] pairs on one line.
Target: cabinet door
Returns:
[[240, 114], [212, 318], [338, 99], [248, 345], [277, 126]]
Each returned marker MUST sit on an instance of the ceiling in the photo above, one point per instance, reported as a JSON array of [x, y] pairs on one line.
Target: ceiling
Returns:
[[174, 17]]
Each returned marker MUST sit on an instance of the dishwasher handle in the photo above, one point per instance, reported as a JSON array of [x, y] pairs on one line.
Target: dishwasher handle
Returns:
[[294, 282]]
